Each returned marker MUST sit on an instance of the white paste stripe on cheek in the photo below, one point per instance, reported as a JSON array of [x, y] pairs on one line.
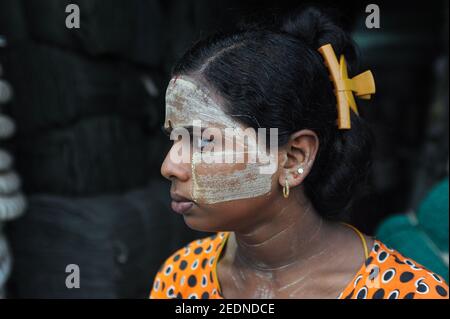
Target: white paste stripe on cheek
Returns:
[[215, 187]]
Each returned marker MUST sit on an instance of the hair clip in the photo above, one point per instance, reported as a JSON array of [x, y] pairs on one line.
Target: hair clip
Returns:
[[362, 84]]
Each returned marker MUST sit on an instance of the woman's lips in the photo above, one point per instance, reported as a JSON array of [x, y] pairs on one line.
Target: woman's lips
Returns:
[[180, 204], [181, 207]]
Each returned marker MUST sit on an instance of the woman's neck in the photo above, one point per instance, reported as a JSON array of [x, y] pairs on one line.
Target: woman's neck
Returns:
[[294, 233]]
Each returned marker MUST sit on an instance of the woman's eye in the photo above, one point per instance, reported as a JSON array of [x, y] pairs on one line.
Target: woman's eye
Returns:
[[202, 143]]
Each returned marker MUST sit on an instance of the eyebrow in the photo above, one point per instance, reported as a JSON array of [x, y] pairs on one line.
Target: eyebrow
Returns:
[[168, 130]]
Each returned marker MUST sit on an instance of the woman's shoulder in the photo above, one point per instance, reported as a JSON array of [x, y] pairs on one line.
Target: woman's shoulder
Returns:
[[388, 274], [188, 269]]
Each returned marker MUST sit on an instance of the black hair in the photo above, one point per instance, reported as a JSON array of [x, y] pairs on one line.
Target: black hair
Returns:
[[274, 77]]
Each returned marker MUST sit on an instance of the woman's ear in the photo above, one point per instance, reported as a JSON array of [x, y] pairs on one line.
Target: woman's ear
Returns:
[[299, 155]]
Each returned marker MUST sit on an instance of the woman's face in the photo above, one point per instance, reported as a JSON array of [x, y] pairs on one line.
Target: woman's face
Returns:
[[220, 174]]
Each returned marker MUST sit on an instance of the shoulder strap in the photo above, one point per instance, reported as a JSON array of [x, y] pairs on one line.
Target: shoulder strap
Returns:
[[363, 239]]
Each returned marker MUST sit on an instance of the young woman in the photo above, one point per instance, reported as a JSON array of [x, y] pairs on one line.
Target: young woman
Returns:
[[278, 233]]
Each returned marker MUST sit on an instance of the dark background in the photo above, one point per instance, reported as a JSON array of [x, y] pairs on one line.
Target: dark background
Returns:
[[88, 104]]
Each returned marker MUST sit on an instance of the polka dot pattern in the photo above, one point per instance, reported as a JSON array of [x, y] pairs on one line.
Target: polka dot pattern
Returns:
[[387, 274], [190, 274]]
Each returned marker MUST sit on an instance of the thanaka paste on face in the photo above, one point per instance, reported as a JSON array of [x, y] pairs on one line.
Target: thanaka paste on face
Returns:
[[187, 102]]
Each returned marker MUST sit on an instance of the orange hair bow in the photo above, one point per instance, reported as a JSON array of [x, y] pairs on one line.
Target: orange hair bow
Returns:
[[363, 85]]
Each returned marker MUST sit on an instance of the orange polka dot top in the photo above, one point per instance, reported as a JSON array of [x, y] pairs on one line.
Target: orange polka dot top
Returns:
[[190, 273]]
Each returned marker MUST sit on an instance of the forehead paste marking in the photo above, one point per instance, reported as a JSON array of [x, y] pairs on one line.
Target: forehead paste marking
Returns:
[[186, 102]]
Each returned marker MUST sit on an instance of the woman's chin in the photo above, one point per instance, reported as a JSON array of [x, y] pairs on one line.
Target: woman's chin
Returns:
[[197, 224], [200, 223]]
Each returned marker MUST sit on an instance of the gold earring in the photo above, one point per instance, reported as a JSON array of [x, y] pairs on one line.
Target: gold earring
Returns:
[[286, 189]]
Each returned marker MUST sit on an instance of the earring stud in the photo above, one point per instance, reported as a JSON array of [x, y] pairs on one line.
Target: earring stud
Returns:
[[300, 170]]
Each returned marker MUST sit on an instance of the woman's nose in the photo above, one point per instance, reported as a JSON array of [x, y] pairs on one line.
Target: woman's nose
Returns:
[[171, 169]]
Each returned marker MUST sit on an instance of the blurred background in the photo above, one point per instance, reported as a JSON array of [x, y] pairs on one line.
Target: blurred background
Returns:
[[81, 145]]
